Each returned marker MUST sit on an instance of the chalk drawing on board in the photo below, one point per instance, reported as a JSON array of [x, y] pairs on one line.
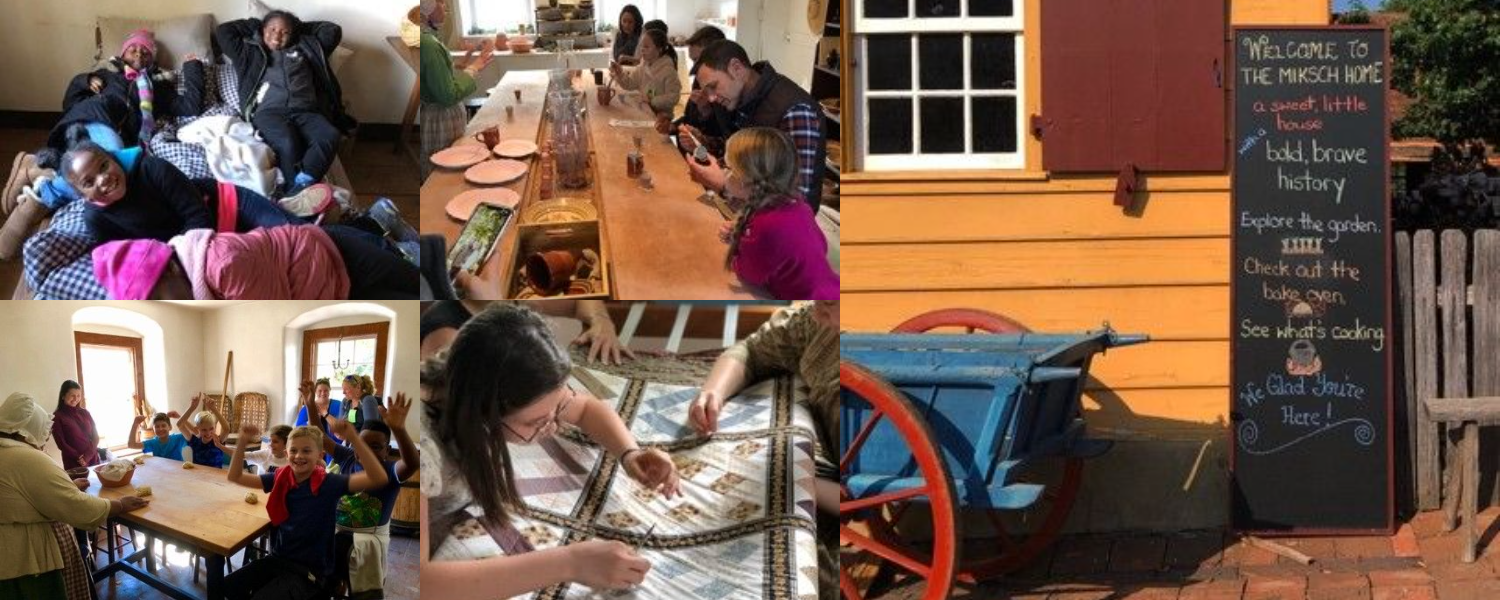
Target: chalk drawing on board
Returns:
[[1303, 359], [1249, 434], [1302, 246]]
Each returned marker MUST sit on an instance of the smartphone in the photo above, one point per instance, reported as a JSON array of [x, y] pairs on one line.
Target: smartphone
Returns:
[[478, 239]]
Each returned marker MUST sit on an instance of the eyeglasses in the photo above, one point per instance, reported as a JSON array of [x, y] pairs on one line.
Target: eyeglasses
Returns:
[[549, 424]]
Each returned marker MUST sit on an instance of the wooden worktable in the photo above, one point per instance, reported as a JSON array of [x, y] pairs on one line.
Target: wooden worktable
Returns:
[[197, 505], [659, 245], [196, 508]]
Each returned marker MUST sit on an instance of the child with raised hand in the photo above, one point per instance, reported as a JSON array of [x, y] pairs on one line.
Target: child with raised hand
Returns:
[[166, 444], [272, 455], [303, 503], [364, 519], [203, 435]]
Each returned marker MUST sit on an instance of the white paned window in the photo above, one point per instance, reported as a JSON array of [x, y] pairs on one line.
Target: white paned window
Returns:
[[939, 84]]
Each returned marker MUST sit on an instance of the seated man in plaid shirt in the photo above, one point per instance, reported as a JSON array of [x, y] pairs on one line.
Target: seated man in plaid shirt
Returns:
[[757, 96]]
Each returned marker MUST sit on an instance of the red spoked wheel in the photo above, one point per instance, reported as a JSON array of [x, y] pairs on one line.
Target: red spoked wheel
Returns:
[[1020, 535], [891, 408]]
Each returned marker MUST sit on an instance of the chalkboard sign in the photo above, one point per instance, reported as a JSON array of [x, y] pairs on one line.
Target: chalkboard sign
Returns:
[[1310, 338]]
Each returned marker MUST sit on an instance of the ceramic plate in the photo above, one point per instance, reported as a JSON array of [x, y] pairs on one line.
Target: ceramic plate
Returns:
[[495, 172], [461, 156], [462, 205], [561, 210], [515, 148]]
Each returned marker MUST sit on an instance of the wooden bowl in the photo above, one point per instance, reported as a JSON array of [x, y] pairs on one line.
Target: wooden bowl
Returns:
[[78, 473], [519, 45], [124, 481]]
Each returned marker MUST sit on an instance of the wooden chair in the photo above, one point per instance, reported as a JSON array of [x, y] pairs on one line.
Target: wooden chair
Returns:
[[253, 408]]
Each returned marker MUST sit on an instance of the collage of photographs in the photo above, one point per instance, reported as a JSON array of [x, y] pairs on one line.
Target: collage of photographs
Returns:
[[543, 299]]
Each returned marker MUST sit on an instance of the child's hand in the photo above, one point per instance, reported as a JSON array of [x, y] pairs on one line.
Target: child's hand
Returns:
[[606, 565], [306, 389], [342, 428], [704, 412], [189, 57], [174, 415], [395, 416], [138, 420], [653, 469], [96, 84], [726, 231], [249, 431]]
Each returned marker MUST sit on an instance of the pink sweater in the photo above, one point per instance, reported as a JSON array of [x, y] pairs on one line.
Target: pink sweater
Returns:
[[290, 262], [784, 251]]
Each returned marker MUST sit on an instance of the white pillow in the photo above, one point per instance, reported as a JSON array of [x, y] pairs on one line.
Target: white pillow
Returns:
[[175, 37]]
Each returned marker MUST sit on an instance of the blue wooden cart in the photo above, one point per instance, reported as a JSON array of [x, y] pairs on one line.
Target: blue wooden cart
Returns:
[[987, 420]]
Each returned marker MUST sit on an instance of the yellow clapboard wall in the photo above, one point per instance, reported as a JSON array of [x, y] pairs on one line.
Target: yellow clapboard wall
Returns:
[[1056, 254]]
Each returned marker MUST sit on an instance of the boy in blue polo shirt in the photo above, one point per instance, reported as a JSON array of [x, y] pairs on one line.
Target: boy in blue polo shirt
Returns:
[[166, 444], [303, 502]]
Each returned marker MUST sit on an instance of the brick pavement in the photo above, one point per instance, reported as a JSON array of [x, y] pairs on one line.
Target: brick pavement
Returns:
[[1420, 562]]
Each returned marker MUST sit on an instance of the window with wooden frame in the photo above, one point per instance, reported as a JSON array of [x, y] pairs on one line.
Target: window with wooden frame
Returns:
[[337, 352], [112, 373], [939, 84]]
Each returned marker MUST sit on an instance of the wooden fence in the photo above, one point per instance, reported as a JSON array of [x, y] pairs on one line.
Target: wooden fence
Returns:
[[1448, 317]]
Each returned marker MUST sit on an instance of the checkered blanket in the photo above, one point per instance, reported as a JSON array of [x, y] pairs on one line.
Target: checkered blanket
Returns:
[[58, 261], [222, 99], [744, 528]]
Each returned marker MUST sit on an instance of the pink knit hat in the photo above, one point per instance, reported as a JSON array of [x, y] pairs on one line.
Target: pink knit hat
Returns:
[[129, 269], [139, 37]]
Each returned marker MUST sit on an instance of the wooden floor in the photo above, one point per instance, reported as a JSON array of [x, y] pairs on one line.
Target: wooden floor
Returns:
[[374, 170], [401, 578]]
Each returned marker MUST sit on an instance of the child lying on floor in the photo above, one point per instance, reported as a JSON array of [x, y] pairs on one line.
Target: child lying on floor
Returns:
[[132, 195], [291, 262], [203, 436], [166, 444], [288, 91], [120, 104], [303, 506]]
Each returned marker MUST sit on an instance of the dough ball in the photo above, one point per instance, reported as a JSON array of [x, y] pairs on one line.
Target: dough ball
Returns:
[[251, 498], [140, 460], [187, 465], [143, 491]]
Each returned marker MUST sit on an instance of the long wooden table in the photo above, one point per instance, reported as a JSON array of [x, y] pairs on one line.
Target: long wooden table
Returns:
[[194, 508], [661, 244]]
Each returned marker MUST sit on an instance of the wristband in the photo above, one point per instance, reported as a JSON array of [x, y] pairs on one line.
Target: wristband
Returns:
[[626, 454]]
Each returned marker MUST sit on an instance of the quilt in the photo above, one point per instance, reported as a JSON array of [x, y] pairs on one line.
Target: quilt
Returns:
[[745, 526]]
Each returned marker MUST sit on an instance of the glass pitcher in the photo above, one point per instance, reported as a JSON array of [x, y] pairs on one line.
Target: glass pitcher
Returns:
[[570, 140]]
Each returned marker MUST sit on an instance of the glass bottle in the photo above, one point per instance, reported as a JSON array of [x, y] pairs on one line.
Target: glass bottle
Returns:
[[635, 162]]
